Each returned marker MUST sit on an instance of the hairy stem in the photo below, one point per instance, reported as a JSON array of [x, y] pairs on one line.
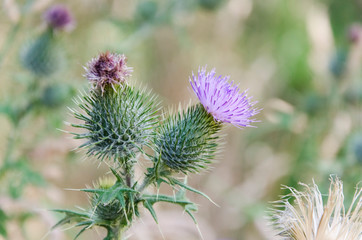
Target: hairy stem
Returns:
[[128, 179], [129, 172], [114, 233], [152, 176], [146, 181]]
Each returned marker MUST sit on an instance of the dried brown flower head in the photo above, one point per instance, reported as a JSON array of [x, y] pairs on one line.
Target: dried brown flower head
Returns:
[[107, 69]]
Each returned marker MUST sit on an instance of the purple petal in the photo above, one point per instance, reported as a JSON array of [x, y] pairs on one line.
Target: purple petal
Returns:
[[222, 99]]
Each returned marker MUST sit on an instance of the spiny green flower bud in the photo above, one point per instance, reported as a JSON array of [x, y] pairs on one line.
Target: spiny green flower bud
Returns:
[[41, 56], [110, 203], [187, 142], [110, 211], [105, 211], [118, 123]]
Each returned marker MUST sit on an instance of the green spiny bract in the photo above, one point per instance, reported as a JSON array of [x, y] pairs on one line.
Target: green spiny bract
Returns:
[[119, 122], [113, 205], [110, 211], [188, 141]]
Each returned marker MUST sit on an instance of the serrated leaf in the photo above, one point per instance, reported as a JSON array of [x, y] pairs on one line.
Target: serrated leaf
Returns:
[[122, 201], [91, 190], [160, 180], [185, 186], [191, 215], [119, 178], [149, 207], [164, 198], [70, 216], [80, 232]]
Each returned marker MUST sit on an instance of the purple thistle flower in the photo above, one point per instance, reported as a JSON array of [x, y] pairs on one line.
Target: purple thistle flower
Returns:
[[107, 69], [59, 17], [222, 99]]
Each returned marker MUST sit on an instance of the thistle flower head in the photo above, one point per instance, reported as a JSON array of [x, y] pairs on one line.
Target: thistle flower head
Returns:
[[188, 141], [107, 69], [58, 17], [222, 99], [310, 219], [118, 123]]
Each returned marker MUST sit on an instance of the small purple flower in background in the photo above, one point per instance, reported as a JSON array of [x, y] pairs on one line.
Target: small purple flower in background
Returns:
[[108, 69], [58, 17], [354, 33], [222, 99]]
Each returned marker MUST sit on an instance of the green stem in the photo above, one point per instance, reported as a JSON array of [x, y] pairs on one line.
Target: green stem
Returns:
[[128, 171], [129, 179], [152, 176], [114, 233], [146, 181]]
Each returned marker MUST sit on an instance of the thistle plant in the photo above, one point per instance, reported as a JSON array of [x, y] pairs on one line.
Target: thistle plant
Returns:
[[22, 104], [42, 56], [119, 122]]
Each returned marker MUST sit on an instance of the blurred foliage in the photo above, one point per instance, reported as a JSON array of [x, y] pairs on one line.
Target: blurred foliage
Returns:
[[3, 219], [295, 57]]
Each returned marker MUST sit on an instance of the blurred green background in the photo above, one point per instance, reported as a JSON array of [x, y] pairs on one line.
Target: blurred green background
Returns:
[[300, 59]]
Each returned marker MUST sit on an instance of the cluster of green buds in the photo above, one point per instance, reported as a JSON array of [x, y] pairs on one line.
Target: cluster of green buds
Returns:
[[119, 123]]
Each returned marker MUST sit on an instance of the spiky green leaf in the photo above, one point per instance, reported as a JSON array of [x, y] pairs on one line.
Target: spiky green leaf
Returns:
[[174, 181], [149, 207]]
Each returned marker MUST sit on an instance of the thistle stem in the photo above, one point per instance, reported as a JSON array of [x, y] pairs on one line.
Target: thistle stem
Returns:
[[114, 233], [129, 172], [146, 181], [152, 176], [128, 179]]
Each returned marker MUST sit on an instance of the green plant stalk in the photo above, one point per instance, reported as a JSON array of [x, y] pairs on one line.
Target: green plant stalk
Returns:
[[128, 171], [152, 176], [114, 233], [146, 182]]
